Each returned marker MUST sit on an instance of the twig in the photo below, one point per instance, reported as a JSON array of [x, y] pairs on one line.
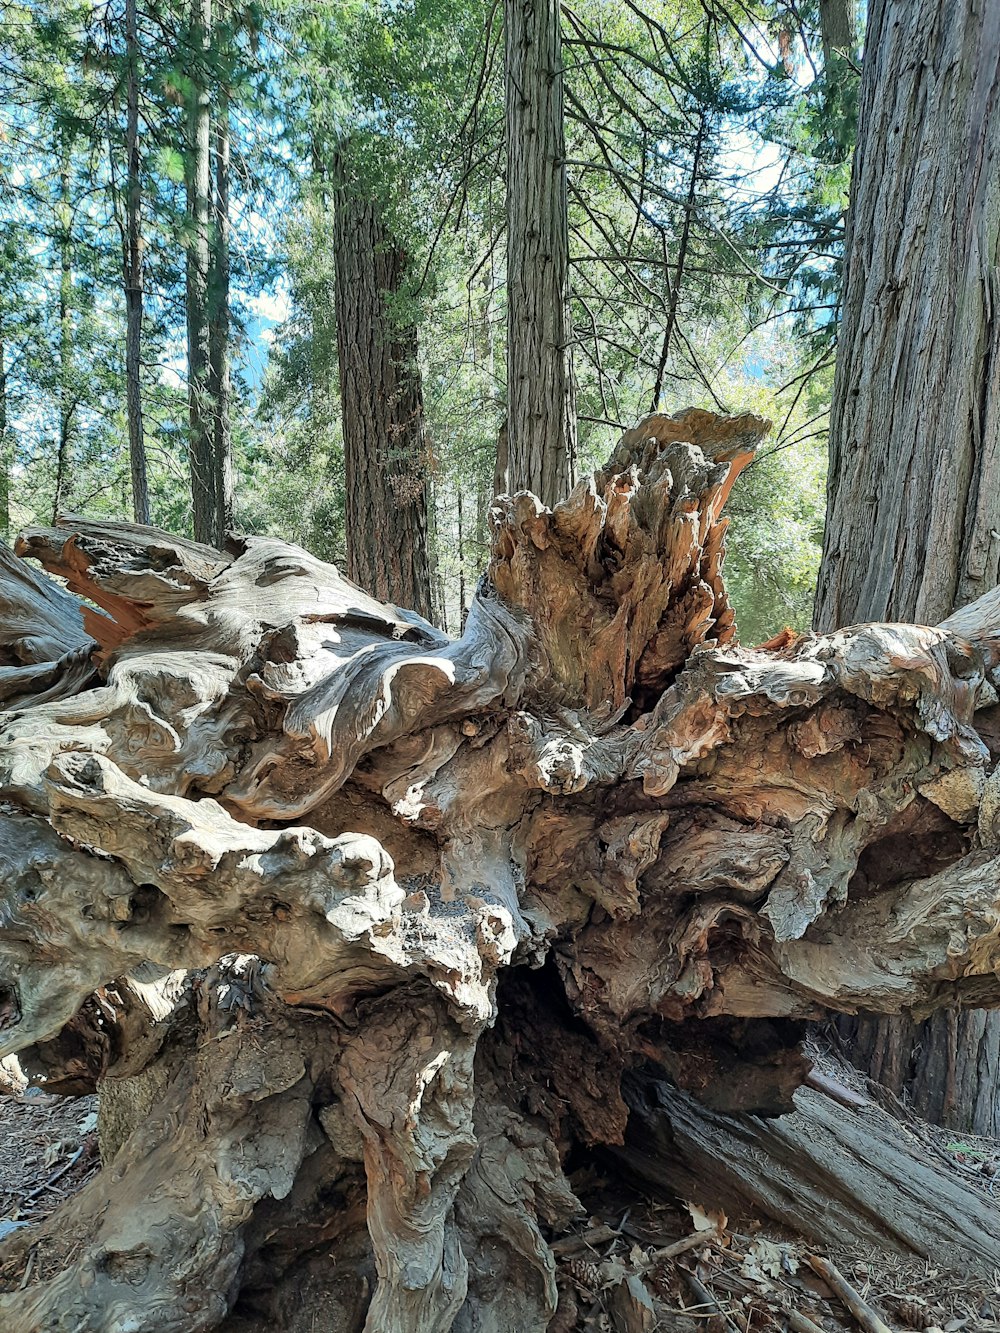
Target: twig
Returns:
[[32, 1253], [868, 1318], [679, 1247], [707, 1301], [835, 1090], [573, 1244], [58, 1175], [800, 1323]]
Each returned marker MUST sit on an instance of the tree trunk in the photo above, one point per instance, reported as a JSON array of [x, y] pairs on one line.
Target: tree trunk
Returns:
[[6, 445], [914, 490], [838, 28], [219, 328], [67, 403], [204, 463], [133, 274], [674, 287], [541, 415], [385, 445], [378, 931]]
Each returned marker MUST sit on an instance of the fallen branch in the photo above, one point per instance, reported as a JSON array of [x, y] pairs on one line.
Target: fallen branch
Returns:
[[679, 1247], [707, 1302], [852, 1299]]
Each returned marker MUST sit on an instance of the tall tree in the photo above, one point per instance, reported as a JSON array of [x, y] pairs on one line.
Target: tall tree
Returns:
[[220, 389], [541, 415], [132, 271], [201, 433], [914, 482], [67, 400], [385, 444]]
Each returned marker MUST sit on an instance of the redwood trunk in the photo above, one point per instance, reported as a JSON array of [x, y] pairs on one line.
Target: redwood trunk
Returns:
[[133, 274], [541, 416], [203, 461], [220, 385], [67, 404], [386, 454], [914, 490], [6, 445]]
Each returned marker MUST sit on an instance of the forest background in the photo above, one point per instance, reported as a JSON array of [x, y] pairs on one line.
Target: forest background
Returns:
[[171, 180]]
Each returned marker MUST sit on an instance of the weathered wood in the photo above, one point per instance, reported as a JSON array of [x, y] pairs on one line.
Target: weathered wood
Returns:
[[869, 1319], [436, 898], [836, 1176]]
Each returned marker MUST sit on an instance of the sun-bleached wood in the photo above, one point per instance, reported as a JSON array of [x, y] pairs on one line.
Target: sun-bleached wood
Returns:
[[384, 918]]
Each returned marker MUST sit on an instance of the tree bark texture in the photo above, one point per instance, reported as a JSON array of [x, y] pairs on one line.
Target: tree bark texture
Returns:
[[6, 444], [133, 273], [386, 450], [913, 526], [541, 419], [220, 385], [204, 463], [67, 402], [838, 28], [914, 490], [377, 930]]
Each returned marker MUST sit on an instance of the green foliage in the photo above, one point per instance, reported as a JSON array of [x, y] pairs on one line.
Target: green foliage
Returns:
[[709, 160]]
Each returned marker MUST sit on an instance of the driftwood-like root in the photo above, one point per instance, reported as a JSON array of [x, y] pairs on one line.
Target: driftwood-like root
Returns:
[[365, 931]]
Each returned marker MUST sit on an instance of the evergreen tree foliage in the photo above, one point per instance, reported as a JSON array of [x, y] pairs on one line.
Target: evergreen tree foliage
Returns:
[[708, 154]]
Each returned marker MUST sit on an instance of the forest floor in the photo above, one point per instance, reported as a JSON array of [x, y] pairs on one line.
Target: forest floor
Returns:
[[629, 1261], [48, 1150]]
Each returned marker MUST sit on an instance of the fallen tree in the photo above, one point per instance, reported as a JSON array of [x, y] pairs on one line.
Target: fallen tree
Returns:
[[365, 932]]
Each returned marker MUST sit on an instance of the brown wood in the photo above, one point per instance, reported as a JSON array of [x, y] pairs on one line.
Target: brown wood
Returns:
[[914, 490], [367, 932], [133, 274], [386, 450], [869, 1319], [914, 499], [835, 1176], [541, 419], [205, 464]]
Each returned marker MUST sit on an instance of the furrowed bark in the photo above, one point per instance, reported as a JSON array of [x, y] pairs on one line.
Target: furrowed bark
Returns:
[[132, 273], [204, 466], [914, 500], [386, 451], [365, 931], [541, 420]]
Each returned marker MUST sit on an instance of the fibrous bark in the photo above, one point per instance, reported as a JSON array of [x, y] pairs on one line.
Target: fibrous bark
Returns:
[[205, 466], [391, 923], [386, 451], [914, 500], [541, 420]]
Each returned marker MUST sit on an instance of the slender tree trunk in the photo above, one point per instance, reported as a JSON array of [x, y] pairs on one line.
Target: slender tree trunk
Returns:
[[682, 250], [66, 399], [385, 447], [133, 275], [913, 526], [219, 328], [541, 414], [201, 441], [6, 451]]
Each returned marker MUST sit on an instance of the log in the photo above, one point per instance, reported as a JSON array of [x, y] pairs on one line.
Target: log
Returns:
[[838, 1177], [366, 932]]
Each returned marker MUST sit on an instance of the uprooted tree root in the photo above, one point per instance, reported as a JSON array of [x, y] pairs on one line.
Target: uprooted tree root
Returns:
[[366, 932]]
